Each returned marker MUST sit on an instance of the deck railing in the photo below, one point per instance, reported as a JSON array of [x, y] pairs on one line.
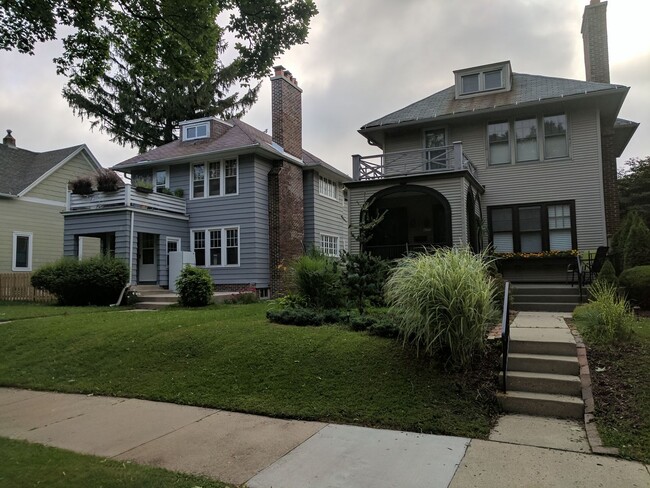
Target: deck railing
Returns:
[[416, 161], [126, 197]]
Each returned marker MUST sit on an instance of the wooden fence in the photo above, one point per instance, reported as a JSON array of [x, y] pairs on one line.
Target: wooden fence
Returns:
[[17, 287]]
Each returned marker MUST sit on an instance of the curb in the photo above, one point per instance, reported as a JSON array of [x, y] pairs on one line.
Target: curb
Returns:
[[593, 437]]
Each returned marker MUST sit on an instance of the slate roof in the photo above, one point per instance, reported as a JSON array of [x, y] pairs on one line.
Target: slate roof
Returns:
[[20, 168], [240, 135], [525, 89]]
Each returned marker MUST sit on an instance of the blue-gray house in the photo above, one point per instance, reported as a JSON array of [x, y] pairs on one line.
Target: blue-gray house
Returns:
[[251, 202]]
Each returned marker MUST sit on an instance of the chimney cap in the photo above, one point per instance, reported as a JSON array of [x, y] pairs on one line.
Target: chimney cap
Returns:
[[9, 140]]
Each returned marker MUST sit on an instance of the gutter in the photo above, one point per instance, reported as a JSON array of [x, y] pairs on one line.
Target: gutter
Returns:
[[8, 195]]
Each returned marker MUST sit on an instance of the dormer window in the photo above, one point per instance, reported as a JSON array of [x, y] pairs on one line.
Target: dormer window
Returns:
[[196, 131], [488, 78]]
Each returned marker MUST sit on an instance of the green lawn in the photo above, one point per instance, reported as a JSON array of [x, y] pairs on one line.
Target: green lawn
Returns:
[[621, 385], [28, 310], [230, 357], [28, 465]]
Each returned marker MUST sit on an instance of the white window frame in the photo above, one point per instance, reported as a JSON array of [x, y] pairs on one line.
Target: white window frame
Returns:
[[327, 188], [154, 181], [481, 81], [178, 242], [222, 178], [196, 126], [224, 245], [328, 250], [30, 237], [546, 136]]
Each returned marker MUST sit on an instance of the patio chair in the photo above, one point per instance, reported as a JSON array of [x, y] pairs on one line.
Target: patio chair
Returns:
[[592, 269]]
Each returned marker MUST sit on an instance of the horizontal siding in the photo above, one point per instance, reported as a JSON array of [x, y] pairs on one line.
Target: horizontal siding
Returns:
[[453, 189], [310, 187], [54, 187], [99, 223], [45, 222], [330, 216]]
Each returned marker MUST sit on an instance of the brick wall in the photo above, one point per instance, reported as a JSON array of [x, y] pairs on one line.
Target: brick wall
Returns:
[[610, 188], [594, 38], [286, 101], [286, 222]]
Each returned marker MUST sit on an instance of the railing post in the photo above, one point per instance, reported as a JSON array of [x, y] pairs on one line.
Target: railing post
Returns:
[[127, 195], [356, 166], [67, 199], [458, 155]]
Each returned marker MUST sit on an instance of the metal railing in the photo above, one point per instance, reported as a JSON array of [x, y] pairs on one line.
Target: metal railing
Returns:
[[416, 161], [505, 334], [581, 276], [126, 197]]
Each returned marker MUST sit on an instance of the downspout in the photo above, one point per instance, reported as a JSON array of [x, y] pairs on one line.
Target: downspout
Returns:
[[131, 248]]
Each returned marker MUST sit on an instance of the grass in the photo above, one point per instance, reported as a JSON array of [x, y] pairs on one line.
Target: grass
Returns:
[[27, 465], [620, 375], [230, 357], [28, 310]]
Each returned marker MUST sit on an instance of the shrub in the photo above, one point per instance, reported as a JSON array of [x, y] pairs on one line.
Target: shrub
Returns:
[[384, 327], [194, 287], [444, 303], [620, 239], [179, 192], [363, 277], [142, 183], [82, 185], [304, 316], [245, 298], [95, 281], [107, 180], [637, 247], [317, 279], [637, 284], [167, 191], [607, 317], [607, 273]]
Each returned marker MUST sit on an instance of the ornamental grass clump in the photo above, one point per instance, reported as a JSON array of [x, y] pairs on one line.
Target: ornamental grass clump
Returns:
[[607, 317], [443, 303]]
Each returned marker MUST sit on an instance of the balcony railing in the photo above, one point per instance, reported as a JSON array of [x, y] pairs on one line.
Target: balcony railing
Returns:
[[416, 161], [126, 197]]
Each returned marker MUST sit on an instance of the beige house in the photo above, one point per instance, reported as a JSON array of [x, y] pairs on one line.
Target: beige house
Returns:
[[33, 190]]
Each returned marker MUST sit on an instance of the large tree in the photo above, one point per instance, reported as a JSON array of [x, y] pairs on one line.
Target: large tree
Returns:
[[136, 68], [634, 188]]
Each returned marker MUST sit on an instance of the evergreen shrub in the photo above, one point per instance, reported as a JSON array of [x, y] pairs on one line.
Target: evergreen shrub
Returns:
[[194, 287]]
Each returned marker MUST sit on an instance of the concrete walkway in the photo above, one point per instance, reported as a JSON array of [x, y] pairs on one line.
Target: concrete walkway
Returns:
[[264, 452]]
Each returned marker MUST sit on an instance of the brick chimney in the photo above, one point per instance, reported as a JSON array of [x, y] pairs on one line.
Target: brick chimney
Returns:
[[286, 106], [594, 38], [9, 139]]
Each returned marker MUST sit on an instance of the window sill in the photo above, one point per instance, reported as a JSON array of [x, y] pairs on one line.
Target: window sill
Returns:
[[328, 197], [214, 196]]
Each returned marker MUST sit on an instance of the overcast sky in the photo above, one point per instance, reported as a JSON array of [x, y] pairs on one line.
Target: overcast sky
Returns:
[[367, 58]]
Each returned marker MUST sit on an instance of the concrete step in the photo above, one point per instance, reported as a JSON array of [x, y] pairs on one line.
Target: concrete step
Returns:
[[543, 363], [145, 288], [557, 384], [153, 305], [522, 306], [573, 299], [158, 297], [545, 290], [541, 404], [557, 342]]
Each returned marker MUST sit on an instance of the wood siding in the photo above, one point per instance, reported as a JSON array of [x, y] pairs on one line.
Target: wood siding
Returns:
[[324, 215], [54, 187]]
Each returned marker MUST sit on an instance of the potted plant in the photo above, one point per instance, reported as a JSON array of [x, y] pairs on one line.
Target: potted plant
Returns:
[[107, 180], [142, 185], [179, 192], [82, 185], [167, 191]]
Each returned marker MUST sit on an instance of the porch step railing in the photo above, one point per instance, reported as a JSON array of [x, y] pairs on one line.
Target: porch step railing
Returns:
[[126, 197]]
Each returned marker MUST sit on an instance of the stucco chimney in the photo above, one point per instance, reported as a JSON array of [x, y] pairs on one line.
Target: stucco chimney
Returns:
[[286, 103], [594, 38], [9, 139]]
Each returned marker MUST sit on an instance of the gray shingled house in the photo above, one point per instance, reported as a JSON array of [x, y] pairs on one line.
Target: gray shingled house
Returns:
[[251, 202], [33, 188], [525, 163]]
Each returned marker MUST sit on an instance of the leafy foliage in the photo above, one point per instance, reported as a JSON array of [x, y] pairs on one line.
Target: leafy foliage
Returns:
[[607, 273], [136, 68], [317, 279], [444, 303], [94, 281], [637, 284], [637, 245], [304, 316], [634, 188], [107, 180], [363, 277], [620, 239], [607, 317], [194, 287]]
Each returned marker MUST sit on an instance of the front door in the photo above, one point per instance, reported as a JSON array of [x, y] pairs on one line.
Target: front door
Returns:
[[147, 262]]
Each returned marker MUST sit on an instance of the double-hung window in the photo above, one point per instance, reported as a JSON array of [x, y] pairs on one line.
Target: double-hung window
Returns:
[[555, 137], [161, 180], [436, 158], [22, 251], [526, 134], [220, 249], [329, 245], [327, 188], [499, 142], [532, 228], [215, 178]]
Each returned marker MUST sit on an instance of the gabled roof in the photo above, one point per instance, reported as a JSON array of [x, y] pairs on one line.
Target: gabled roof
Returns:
[[20, 168], [525, 89], [239, 135]]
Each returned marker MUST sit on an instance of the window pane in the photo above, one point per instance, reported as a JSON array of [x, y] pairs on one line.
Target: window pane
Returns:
[[555, 125], [531, 241], [198, 183], [501, 219], [202, 130], [503, 242], [199, 248], [555, 140], [434, 138], [215, 248], [530, 219], [469, 83], [232, 246], [526, 134], [231, 176], [559, 217], [499, 140], [215, 179], [560, 240], [493, 80], [190, 133], [161, 177], [22, 252]]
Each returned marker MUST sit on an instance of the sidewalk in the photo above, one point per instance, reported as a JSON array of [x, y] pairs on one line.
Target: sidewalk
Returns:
[[264, 452]]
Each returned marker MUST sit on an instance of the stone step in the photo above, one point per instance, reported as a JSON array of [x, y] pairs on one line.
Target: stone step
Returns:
[[153, 305], [541, 404], [543, 306], [557, 384], [543, 363]]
